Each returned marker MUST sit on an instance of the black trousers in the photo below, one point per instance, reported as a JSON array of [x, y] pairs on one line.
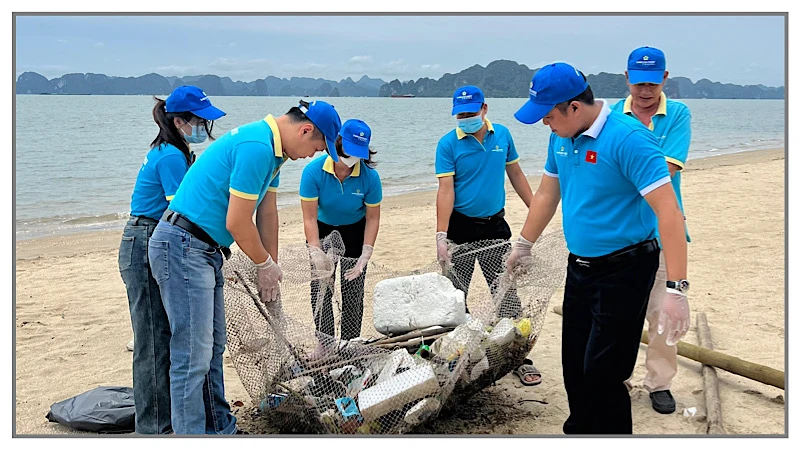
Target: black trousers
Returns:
[[352, 291], [604, 310], [464, 229]]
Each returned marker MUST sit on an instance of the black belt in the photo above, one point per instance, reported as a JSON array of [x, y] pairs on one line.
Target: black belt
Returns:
[[189, 226], [480, 220], [616, 257], [143, 220]]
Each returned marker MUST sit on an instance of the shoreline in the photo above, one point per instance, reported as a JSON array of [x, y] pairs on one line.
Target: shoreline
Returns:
[[82, 242]]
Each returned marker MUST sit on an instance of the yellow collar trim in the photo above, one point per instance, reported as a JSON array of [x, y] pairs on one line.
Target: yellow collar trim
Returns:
[[328, 167], [276, 135], [662, 105]]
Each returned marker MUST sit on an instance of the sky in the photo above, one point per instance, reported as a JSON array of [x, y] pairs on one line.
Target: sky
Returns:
[[729, 49]]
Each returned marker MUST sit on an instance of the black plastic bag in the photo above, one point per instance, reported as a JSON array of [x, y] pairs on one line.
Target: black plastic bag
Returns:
[[105, 409]]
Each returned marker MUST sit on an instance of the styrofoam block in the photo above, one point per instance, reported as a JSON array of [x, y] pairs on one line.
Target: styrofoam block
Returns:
[[398, 358], [417, 301], [422, 410], [392, 394]]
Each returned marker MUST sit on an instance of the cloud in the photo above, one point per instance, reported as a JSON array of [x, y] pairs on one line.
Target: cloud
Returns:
[[99, 44], [431, 67], [361, 59]]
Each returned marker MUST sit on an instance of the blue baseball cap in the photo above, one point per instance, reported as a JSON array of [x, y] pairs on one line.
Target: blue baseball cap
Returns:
[[646, 65], [467, 99], [355, 138], [192, 99], [551, 85], [326, 119]]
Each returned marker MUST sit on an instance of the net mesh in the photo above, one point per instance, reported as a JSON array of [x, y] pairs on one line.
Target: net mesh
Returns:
[[314, 361]]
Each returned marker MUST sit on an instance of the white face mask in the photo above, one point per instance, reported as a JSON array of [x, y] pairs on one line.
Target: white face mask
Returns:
[[350, 161]]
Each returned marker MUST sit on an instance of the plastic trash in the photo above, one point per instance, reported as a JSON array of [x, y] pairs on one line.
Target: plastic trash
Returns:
[[104, 409], [689, 412]]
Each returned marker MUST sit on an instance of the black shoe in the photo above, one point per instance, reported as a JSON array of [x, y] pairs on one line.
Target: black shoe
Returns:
[[663, 402]]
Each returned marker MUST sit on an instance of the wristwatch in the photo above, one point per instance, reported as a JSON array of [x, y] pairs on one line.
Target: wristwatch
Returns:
[[680, 285]]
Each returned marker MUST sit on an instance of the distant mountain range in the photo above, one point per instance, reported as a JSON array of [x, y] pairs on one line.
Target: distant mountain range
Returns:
[[500, 78]]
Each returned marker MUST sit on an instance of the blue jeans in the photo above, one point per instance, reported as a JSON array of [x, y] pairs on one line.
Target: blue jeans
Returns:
[[189, 273], [150, 330]]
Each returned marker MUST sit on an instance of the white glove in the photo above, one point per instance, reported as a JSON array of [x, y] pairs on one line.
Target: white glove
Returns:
[[521, 249], [361, 263], [320, 262], [269, 276], [673, 318], [442, 253]]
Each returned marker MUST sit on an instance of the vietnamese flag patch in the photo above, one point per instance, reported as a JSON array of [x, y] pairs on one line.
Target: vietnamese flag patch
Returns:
[[591, 156]]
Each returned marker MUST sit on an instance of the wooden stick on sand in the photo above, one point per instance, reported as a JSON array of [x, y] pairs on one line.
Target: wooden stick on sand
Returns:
[[710, 386], [732, 364]]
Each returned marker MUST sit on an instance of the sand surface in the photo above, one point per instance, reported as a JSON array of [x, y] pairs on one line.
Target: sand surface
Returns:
[[72, 320]]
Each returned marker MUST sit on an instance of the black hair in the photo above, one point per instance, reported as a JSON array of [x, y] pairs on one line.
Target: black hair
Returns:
[[296, 115], [586, 97], [369, 162], [168, 133]]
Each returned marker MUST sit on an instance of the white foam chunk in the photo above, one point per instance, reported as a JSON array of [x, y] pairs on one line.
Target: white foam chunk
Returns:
[[417, 301], [392, 394]]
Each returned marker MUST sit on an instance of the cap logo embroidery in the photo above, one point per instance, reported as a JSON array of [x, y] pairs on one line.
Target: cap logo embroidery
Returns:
[[646, 57], [360, 138]]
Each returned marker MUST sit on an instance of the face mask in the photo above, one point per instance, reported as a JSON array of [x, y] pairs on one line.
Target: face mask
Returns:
[[350, 161], [470, 125], [198, 134]]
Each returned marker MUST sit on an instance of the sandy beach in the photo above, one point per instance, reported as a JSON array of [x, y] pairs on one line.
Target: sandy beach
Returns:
[[72, 320]]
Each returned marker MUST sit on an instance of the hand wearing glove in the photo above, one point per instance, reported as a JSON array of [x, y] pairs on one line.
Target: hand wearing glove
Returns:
[[269, 276], [361, 263], [673, 319], [442, 253], [521, 249], [319, 260]]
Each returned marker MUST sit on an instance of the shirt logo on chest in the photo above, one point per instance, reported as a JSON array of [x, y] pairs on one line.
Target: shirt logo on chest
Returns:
[[591, 156], [358, 193], [497, 149], [561, 151]]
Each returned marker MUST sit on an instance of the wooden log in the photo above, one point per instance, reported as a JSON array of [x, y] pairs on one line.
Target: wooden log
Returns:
[[411, 342], [710, 385], [412, 334], [732, 364]]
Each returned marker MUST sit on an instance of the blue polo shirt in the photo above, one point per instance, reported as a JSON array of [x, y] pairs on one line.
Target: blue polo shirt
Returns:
[[340, 203], [671, 126], [159, 177], [478, 168], [244, 162], [604, 175]]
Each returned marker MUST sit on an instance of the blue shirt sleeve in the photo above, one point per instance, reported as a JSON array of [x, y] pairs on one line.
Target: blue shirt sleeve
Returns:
[[252, 165], [512, 156], [550, 165], [171, 170], [676, 145], [273, 185], [445, 163], [375, 192], [309, 187], [641, 161]]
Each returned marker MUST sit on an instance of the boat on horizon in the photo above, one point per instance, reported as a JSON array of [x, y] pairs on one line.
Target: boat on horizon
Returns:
[[402, 96]]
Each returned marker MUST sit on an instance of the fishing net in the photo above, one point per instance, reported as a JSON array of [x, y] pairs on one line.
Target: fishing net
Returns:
[[383, 352]]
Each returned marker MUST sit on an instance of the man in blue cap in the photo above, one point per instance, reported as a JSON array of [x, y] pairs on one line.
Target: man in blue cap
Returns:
[[670, 122], [236, 176], [609, 171], [471, 163]]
